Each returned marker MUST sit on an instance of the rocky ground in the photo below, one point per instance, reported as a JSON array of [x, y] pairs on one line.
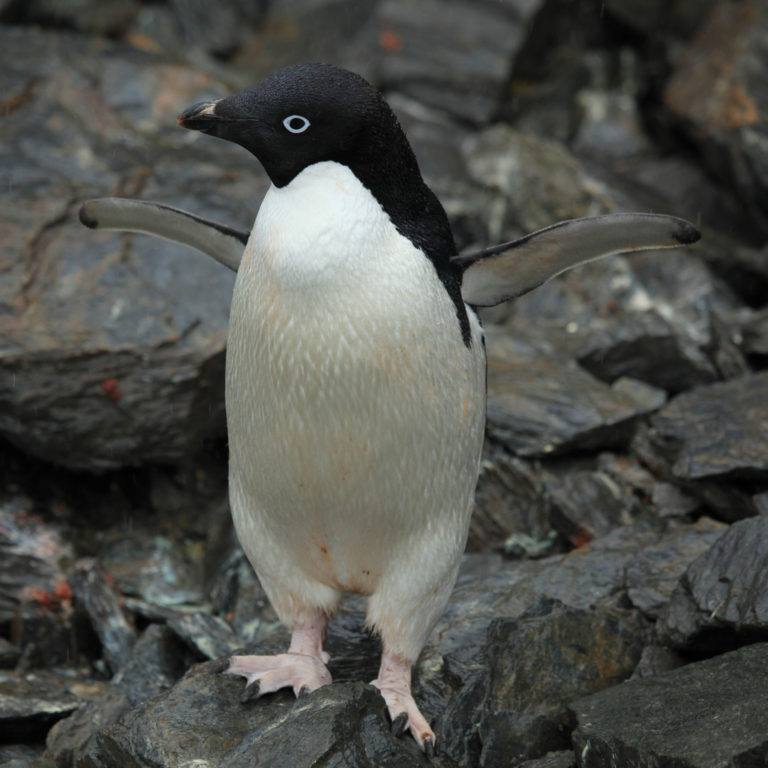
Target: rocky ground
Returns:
[[613, 607]]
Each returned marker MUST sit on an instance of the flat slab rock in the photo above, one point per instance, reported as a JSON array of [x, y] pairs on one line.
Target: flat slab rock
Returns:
[[540, 404], [719, 431], [710, 714]]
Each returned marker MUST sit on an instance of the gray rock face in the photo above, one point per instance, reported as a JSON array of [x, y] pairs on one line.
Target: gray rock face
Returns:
[[723, 592], [708, 714]]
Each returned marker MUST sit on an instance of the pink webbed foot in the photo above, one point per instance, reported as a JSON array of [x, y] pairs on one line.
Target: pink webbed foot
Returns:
[[394, 683], [265, 674], [302, 668]]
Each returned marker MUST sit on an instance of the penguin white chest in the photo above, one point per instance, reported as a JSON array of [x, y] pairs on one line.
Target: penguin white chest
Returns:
[[355, 410]]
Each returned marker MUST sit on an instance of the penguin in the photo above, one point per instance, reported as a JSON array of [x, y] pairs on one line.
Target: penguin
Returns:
[[355, 372]]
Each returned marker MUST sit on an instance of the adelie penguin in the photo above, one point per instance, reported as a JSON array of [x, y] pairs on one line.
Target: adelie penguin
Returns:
[[355, 373]]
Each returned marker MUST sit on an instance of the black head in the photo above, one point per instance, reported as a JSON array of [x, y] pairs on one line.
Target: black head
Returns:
[[302, 115]]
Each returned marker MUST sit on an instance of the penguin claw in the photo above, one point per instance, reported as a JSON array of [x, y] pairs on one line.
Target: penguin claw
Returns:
[[222, 665], [400, 725], [429, 748], [251, 691]]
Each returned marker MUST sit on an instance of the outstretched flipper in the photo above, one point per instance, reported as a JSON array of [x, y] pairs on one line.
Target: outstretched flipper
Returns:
[[511, 269], [220, 242]]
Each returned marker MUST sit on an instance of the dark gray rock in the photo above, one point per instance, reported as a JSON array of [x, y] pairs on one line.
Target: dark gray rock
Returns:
[[102, 332], [705, 715], [22, 756], [99, 601], [722, 598], [559, 759], [9, 654], [541, 405], [542, 660], [718, 95], [652, 576], [453, 55], [201, 718], [208, 636], [31, 702]]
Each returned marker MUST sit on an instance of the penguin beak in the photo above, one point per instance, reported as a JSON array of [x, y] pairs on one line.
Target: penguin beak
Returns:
[[200, 117]]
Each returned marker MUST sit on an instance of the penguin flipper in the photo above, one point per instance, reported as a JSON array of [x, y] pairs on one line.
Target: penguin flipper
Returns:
[[218, 241], [511, 269]]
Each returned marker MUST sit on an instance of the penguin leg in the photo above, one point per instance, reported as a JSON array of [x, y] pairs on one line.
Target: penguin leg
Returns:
[[394, 683], [302, 668]]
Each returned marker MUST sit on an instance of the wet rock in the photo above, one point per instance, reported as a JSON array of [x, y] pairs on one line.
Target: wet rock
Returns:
[[9, 654], [103, 332], [713, 442], [588, 504], [201, 718], [22, 756], [540, 404], [69, 739], [156, 662], [509, 500], [559, 759], [94, 595], [31, 702], [649, 316], [456, 55], [535, 181], [706, 714], [656, 659], [542, 660], [208, 636], [35, 600], [153, 568], [718, 95], [652, 576], [722, 598]]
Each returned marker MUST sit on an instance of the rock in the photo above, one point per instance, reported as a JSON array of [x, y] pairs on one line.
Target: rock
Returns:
[[541, 660], [22, 756], [717, 94], [559, 759], [9, 654], [156, 662], [705, 438], [541, 405], [722, 598], [99, 601], [509, 500], [210, 637], [31, 702], [535, 181], [653, 574], [201, 718], [707, 714], [453, 55], [35, 600], [153, 568], [656, 659], [649, 316], [101, 331]]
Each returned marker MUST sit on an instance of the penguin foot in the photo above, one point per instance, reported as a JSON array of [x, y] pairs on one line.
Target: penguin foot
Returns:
[[265, 674], [394, 684]]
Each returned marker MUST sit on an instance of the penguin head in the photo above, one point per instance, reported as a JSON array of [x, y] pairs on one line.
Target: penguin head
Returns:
[[305, 114]]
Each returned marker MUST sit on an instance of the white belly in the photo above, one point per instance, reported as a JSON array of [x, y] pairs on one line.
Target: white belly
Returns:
[[355, 412]]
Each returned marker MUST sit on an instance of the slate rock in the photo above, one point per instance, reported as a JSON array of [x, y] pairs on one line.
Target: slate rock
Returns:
[[509, 500], [101, 332], [201, 718], [540, 404], [9, 654], [539, 662], [559, 759], [717, 94], [718, 431], [22, 756], [722, 598], [653, 575], [100, 602], [31, 702], [453, 55], [705, 715]]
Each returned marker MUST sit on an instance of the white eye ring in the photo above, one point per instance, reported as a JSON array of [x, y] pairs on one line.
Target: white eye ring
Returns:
[[296, 123]]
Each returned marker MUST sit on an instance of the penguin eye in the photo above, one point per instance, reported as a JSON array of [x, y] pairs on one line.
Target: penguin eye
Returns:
[[296, 123]]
